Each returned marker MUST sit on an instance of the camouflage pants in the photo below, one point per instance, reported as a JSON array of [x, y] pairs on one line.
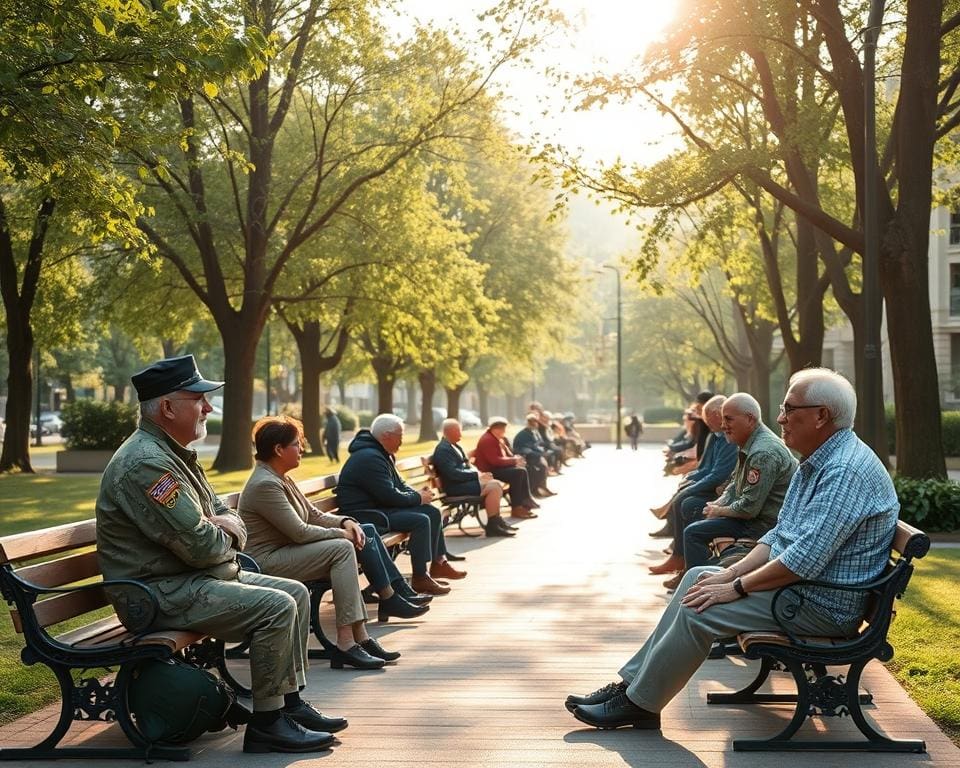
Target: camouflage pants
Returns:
[[273, 613]]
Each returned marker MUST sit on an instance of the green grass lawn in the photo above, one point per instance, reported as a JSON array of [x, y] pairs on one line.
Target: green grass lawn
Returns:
[[29, 502], [926, 635]]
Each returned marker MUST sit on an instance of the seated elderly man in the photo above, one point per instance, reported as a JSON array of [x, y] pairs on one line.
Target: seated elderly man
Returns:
[[750, 505], [836, 525], [699, 486], [159, 521], [494, 455], [460, 478], [369, 481]]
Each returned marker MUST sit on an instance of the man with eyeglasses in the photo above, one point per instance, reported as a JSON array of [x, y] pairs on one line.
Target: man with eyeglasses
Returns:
[[160, 522], [836, 525]]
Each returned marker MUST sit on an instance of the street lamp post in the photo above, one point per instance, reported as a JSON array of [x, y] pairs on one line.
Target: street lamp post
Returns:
[[619, 416], [872, 305]]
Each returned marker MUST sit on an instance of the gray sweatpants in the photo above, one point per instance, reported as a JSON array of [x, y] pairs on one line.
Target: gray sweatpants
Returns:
[[682, 639]]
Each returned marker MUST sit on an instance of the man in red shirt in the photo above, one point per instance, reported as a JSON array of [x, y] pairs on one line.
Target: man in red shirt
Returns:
[[493, 455]]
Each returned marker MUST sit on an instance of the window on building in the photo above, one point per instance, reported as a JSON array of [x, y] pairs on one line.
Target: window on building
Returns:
[[955, 365], [955, 229], [954, 290]]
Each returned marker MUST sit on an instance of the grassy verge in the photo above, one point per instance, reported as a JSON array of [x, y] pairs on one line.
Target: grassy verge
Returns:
[[29, 502], [925, 637]]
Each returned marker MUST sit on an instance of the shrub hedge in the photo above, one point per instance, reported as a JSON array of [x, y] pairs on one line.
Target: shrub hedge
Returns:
[[662, 415], [91, 425], [933, 505]]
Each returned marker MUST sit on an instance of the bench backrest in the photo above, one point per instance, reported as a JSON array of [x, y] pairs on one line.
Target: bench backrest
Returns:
[[60, 556], [909, 543]]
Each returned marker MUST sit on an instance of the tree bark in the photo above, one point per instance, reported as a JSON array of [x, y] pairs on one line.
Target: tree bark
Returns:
[[411, 401], [386, 372], [453, 400], [484, 396], [18, 300], [428, 385], [240, 352], [309, 336]]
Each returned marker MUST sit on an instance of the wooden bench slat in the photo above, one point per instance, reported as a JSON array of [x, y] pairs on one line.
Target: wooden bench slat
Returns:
[[47, 541], [63, 607], [65, 570]]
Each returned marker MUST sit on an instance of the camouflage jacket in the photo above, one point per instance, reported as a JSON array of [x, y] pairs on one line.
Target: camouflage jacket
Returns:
[[153, 523]]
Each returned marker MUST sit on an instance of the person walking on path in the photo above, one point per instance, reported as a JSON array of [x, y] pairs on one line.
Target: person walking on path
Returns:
[[331, 435]]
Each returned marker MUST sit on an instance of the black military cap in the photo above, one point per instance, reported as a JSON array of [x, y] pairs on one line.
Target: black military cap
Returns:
[[171, 375]]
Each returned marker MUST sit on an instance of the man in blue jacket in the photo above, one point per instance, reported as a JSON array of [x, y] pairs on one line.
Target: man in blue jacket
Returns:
[[369, 481], [701, 485], [460, 478]]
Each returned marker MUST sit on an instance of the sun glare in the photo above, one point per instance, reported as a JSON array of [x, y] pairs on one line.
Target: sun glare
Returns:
[[617, 32]]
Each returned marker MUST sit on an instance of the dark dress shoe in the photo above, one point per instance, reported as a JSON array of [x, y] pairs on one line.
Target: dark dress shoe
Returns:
[[285, 735], [597, 697], [399, 608], [545, 492], [455, 558], [428, 586], [494, 531], [503, 523], [369, 596], [305, 714], [354, 656], [616, 713], [445, 571], [664, 533], [374, 648], [409, 594]]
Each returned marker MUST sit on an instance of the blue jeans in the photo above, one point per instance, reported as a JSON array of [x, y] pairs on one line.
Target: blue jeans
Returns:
[[376, 562], [425, 527], [685, 511], [698, 535]]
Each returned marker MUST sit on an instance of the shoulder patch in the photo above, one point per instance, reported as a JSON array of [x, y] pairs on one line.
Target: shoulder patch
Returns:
[[753, 476], [165, 490]]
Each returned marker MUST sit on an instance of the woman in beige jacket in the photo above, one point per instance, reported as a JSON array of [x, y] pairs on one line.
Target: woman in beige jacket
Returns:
[[288, 536]]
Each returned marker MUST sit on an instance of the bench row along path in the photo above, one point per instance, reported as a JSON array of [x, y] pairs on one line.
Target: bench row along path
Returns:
[[553, 611]]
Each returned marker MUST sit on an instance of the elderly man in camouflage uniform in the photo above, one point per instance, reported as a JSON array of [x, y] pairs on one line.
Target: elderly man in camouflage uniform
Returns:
[[159, 521], [751, 502]]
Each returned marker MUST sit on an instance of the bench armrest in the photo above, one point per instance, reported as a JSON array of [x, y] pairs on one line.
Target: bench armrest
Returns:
[[30, 591], [791, 611]]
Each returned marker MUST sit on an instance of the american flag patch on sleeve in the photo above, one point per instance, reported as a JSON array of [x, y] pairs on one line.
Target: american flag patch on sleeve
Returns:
[[164, 489]]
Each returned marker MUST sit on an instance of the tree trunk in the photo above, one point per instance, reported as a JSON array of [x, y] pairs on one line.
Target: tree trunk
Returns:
[[386, 379], [170, 348], [342, 390], [239, 352], [904, 270], [313, 364], [119, 391], [453, 400], [484, 396], [411, 401], [16, 441], [428, 384]]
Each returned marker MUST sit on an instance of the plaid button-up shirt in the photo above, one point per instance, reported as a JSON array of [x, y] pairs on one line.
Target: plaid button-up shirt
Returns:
[[837, 524]]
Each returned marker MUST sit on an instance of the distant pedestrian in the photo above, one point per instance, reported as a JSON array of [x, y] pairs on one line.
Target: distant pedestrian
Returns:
[[634, 429], [331, 435]]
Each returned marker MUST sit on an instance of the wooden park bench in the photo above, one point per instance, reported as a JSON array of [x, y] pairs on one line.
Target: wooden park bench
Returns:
[[52, 576], [807, 659]]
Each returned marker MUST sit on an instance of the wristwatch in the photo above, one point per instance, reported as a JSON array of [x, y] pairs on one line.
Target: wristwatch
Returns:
[[738, 585]]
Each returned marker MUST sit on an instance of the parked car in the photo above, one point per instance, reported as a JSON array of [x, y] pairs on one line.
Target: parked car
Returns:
[[439, 414], [52, 422], [470, 419]]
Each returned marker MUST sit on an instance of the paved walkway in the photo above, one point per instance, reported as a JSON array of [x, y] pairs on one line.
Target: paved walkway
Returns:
[[553, 611]]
